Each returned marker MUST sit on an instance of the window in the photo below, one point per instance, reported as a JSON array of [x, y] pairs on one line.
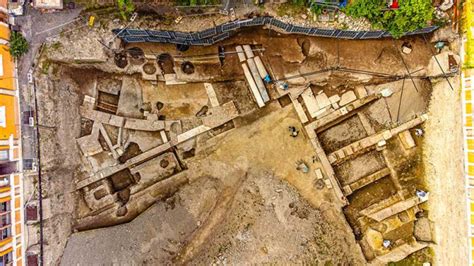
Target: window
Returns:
[[5, 206], [6, 259], [5, 219], [4, 156], [3, 117], [5, 233]]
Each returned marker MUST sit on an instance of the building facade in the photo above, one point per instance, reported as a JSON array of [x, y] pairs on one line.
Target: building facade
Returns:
[[11, 187]]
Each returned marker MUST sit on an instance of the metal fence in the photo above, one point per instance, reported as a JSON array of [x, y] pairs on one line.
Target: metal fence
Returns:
[[224, 31]]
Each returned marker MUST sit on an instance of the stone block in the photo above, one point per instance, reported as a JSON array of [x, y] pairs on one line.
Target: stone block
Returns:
[[323, 100], [319, 173], [347, 97], [334, 99], [423, 230], [360, 92]]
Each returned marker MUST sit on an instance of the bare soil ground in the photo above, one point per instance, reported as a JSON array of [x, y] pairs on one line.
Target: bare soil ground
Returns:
[[243, 181], [342, 134], [444, 175], [360, 166]]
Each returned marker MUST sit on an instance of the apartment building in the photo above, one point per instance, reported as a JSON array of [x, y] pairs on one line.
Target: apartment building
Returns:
[[11, 187]]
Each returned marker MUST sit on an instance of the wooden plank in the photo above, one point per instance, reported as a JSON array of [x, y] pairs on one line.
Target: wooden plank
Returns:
[[253, 86], [258, 80]]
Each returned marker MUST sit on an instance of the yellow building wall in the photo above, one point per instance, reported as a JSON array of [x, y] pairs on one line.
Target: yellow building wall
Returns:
[[7, 80], [11, 110], [18, 228], [17, 202], [4, 32], [18, 251]]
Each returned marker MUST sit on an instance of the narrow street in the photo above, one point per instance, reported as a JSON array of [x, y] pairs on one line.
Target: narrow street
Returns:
[[37, 27]]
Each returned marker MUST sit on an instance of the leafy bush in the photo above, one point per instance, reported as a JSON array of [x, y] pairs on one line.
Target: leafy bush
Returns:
[[18, 44], [369, 9], [410, 16], [299, 2], [290, 9], [295, 7], [126, 8]]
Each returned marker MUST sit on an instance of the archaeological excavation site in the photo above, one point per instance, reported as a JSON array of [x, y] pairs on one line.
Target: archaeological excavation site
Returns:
[[262, 145]]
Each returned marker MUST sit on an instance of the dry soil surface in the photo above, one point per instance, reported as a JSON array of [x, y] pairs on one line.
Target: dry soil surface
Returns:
[[246, 203], [444, 174]]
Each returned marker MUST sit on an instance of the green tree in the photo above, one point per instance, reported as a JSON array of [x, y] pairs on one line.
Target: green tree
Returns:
[[410, 16], [18, 44], [126, 7], [369, 9]]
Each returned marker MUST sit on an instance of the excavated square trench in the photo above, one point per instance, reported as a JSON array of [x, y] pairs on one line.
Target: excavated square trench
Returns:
[[156, 121]]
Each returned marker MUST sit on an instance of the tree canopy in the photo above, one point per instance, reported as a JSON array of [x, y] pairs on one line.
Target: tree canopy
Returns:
[[410, 16], [18, 44], [126, 7]]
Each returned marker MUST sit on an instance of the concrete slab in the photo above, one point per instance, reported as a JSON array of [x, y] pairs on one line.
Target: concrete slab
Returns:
[[261, 67], [360, 92], [248, 51], [310, 102], [319, 173], [211, 93], [163, 136], [253, 86], [240, 53], [258, 80], [334, 99], [300, 111], [130, 99], [347, 97], [323, 100], [192, 133]]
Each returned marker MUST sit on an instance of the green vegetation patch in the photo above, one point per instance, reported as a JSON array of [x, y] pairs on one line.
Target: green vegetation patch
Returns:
[[18, 44], [126, 8], [410, 16]]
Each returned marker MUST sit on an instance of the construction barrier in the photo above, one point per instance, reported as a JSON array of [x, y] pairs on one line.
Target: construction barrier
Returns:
[[224, 31]]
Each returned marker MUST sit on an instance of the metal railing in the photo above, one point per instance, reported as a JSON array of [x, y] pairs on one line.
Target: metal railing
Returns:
[[224, 31]]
